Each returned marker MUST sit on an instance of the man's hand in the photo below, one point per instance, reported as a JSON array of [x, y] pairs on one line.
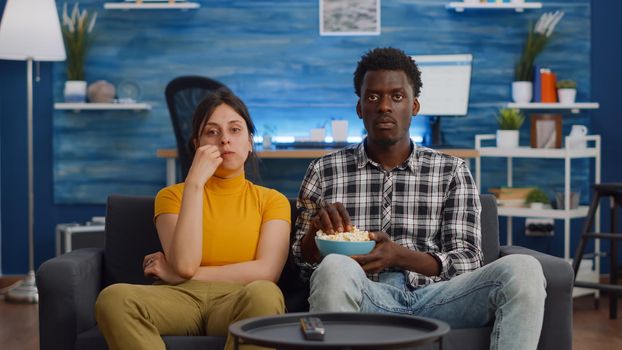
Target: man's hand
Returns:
[[332, 218], [381, 257], [156, 266]]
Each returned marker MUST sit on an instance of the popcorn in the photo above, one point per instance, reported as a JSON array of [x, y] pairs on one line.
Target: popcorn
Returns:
[[354, 235]]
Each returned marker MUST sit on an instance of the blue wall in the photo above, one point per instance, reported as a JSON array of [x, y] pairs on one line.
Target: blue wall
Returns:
[[270, 53]]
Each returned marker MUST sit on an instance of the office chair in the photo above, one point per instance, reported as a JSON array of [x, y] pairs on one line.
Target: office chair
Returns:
[[183, 94]]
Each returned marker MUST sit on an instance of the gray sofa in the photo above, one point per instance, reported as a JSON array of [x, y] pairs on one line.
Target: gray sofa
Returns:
[[69, 284]]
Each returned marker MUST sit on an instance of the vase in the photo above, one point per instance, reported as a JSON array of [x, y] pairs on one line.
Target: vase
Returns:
[[522, 91], [507, 138], [566, 96], [340, 130], [75, 91]]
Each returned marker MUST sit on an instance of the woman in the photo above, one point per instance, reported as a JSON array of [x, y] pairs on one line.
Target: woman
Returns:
[[224, 239]]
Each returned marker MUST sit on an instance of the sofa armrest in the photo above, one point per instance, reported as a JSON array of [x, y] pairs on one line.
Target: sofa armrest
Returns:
[[557, 325], [68, 287]]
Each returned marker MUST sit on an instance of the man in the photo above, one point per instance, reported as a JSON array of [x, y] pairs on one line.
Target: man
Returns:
[[422, 209]]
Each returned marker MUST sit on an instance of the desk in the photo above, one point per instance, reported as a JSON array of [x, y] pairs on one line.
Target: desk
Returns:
[[170, 154], [344, 330]]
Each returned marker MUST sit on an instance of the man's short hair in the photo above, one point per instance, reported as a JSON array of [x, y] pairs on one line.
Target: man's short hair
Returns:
[[387, 58]]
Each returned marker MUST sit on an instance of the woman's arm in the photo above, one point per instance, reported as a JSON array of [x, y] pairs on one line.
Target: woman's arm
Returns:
[[181, 235], [271, 256]]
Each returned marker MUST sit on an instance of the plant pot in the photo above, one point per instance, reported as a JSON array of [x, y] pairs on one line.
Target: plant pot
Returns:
[[507, 138], [536, 205], [340, 130], [75, 91], [522, 91], [566, 96]]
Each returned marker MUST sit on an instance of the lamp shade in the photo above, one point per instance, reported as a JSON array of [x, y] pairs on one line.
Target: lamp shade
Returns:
[[31, 29]]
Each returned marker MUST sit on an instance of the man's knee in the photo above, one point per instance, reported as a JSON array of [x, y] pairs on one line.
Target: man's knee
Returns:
[[523, 278], [336, 285]]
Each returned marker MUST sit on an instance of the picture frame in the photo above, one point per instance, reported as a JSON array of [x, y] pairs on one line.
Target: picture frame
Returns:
[[546, 130], [349, 17]]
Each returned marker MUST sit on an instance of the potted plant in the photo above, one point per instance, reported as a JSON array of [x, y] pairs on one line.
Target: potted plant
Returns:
[[537, 38], [510, 120], [537, 199], [566, 91], [77, 31]]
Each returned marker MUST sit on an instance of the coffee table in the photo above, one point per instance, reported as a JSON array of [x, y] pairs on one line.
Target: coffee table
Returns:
[[344, 330]]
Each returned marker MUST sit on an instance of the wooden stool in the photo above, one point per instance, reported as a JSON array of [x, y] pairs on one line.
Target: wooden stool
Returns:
[[613, 190]]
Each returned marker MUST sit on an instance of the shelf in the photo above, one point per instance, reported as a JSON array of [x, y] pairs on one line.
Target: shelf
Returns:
[[573, 107], [460, 6], [102, 106], [579, 212], [528, 152], [151, 6]]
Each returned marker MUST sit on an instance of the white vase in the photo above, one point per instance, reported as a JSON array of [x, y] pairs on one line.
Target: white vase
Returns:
[[318, 134], [75, 91], [522, 91], [340, 130], [507, 138], [566, 96]]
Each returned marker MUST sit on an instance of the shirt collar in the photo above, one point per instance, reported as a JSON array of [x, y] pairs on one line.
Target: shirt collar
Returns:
[[362, 159]]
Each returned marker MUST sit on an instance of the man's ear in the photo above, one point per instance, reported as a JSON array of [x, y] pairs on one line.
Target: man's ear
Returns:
[[416, 106], [358, 109]]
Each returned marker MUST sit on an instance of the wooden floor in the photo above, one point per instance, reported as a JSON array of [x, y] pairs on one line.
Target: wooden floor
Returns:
[[592, 329]]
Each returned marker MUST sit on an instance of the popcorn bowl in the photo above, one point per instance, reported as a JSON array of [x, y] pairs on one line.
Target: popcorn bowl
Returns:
[[327, 246]]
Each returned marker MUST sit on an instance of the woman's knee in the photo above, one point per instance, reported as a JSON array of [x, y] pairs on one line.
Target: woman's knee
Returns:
[[115, 300], [264, 295]]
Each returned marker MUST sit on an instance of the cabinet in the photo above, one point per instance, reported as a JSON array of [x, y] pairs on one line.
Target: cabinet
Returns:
[[587, 272]]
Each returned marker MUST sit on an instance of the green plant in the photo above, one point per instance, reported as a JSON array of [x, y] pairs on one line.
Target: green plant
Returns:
[[537, 38], [77, 31], [566, 84], [510, 119], [537, 196]]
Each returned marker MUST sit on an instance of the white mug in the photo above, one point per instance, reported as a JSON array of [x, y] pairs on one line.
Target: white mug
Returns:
[[576, 137]]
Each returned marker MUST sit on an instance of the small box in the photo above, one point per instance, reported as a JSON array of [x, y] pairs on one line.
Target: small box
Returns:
[[511, 196], [72, 236]]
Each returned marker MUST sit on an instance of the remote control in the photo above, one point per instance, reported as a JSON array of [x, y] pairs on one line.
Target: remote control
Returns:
[[312, 328]]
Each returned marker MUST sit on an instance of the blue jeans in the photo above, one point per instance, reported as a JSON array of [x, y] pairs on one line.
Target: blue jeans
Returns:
[[508, 293]]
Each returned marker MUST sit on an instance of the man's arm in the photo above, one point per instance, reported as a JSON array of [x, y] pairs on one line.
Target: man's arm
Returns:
[[461, 234], [309, 197]]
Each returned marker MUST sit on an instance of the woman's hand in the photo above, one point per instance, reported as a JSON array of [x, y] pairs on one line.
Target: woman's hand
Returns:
[[156, 266], [206, 160]]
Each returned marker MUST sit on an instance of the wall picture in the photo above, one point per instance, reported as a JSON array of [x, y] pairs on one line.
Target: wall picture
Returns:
[[349, 17]]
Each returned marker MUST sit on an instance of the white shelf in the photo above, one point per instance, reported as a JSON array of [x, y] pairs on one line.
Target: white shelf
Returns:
[[460, 6], [573, 107], [579, 212], [102, 106], [151, 6], [528, 152]]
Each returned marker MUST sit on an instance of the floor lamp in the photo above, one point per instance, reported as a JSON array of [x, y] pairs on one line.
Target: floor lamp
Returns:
[[30, 31]]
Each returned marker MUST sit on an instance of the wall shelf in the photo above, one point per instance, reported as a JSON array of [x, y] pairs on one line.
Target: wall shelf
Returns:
[[573, 107], [460, 6], [151, 6], [102, 106]]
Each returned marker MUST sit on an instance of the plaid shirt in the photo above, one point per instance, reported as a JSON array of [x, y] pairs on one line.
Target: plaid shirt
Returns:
[[428, 204]]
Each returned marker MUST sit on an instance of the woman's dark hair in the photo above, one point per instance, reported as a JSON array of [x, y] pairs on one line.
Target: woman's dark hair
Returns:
[[204, 112], [387, 58]]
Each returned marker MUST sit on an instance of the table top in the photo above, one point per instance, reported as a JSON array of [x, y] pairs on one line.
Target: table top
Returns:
[[317, 153], [352, 330]]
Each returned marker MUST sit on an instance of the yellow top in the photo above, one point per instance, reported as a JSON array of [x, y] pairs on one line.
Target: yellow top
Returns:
[[233, 212]]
